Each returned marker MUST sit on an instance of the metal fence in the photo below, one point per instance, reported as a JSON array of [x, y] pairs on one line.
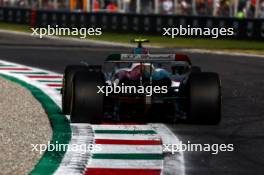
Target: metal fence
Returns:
[[246, 29]]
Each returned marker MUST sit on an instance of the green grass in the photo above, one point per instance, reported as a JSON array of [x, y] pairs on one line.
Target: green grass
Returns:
[[197, 43], [15, 27], [256, 47]]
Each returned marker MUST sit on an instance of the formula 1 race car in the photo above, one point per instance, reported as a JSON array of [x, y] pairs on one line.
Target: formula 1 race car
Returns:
[[141, 87]]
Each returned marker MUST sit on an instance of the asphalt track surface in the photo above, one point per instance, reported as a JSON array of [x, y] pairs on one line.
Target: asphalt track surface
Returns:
[[243, 99]]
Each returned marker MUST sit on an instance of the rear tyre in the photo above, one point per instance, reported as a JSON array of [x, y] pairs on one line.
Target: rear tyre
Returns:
[[69, 73], [87, 105], [204, 104]]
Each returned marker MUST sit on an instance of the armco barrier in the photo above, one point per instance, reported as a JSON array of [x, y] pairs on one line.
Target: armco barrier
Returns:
[[247, 29]]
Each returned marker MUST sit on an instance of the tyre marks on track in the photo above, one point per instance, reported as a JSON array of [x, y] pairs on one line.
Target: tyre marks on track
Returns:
[[75, 162]]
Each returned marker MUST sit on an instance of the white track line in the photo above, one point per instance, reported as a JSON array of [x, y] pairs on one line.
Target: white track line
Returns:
[[122, 127], [115, 149], [218, 52], [116, 163], [128, 136]]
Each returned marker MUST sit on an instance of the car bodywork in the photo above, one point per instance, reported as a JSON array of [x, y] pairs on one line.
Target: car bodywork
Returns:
[[185, 92], [147, 70]]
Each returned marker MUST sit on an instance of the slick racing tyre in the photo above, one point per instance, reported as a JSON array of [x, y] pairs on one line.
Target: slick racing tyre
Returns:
[[87, 105], [204, 94], [69, 73]]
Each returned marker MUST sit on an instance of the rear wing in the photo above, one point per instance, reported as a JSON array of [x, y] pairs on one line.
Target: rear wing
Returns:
[[146, 58]]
